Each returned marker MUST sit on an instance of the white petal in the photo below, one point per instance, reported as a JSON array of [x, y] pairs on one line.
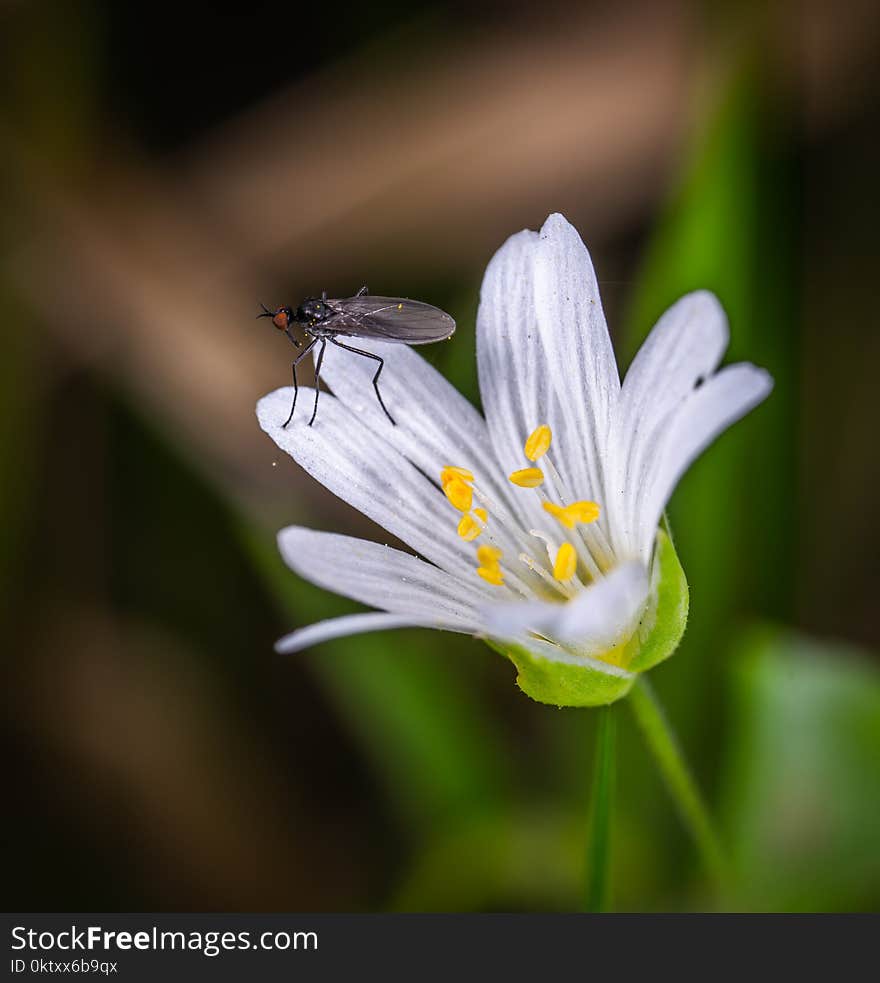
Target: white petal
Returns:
[[607, 613], [600, 618], [707, 412], [515, 388], [436, 425], [380, 576], [685, 347], [577, 355], [349, 624], [365, 471]]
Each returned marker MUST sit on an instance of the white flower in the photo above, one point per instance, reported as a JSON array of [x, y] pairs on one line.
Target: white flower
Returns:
[[536, 527]]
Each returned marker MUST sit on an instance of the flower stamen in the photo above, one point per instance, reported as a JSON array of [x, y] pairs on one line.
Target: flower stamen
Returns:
[[565, 564], [492, 575], [570, 515], [595, 543], [469, 528], [489, 558], [489, 555], [460, 489], [528, 477], [538, 442], [536, 568], [504, 534], [451, 471], [459, 492]]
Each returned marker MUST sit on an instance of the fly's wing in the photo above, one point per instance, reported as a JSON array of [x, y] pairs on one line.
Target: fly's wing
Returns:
[[391, 319]]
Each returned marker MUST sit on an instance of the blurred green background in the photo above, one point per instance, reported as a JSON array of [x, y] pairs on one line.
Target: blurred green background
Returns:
[[163, 169]]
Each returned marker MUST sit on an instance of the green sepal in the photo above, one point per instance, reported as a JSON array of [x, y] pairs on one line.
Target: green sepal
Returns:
[[574, 684], [663, 623], [562, 684]]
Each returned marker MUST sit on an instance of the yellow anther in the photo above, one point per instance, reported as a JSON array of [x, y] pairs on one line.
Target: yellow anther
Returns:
[[538, 442], [450, 472], [492, 575], [570, 515], [469, 528], [528, 477], [459, 493], [584, 511], [488, 556], [566, 562], [489, 568], [558, 512]]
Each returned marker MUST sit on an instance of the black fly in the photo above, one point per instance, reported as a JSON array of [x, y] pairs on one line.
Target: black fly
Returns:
[[395, 320]]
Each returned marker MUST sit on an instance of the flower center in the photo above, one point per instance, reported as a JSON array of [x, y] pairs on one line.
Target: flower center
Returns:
[[530, 561]]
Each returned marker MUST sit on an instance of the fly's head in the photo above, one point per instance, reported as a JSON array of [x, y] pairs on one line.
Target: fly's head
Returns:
[[281, 316]]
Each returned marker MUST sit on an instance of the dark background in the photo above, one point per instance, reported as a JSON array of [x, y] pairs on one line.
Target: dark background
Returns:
[[166, 167]]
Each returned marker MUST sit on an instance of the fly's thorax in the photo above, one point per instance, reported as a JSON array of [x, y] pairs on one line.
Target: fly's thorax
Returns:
[[312, 311]]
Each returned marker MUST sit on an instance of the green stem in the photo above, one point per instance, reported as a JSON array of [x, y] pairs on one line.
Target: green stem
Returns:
[[602, 796], [664, 746]]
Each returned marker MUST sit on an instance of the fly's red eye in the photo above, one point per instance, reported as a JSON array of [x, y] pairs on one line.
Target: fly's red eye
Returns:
[[281, 320]]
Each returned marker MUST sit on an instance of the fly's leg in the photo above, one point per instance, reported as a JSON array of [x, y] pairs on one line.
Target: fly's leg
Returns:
[[318, 380], [363, 291], [296, 362], [376, 358]]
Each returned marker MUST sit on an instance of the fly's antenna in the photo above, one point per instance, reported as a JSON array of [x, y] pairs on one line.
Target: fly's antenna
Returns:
[[266, 312]]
